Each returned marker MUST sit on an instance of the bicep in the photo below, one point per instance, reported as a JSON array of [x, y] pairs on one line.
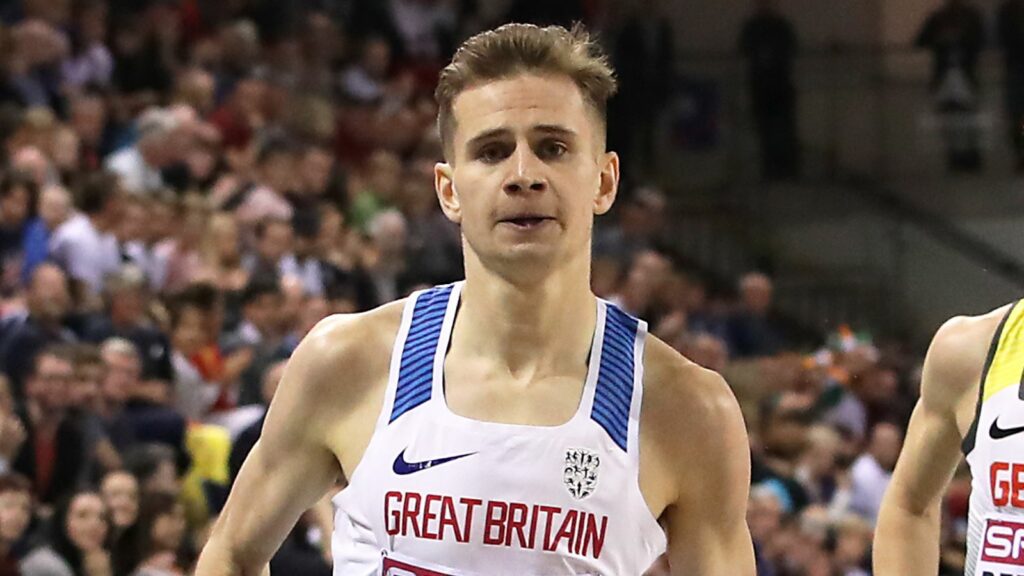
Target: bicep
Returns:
[[289, 469], [929, 457], [707, 527]]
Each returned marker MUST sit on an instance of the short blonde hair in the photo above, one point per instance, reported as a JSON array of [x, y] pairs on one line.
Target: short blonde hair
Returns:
[[515, 49]]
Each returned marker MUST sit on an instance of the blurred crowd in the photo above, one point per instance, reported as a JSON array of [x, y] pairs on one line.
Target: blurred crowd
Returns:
[[188, 186]]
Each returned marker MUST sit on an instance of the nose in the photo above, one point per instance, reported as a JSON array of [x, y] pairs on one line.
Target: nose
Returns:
[[527, 173]]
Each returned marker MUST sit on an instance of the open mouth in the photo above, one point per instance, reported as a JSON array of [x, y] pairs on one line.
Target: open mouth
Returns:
[[527, 222]]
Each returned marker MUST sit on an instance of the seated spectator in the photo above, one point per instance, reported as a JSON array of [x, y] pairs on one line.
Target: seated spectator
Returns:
[[127, 299], [120, 491], [155, 545], [12, 431], [15, 515], [259, 333], [54, 455], [752, 331], [155, 468], [54, 208], [17, 202], [48, 301], [872, 471], [85, 245], [76, 543], [133, 411]]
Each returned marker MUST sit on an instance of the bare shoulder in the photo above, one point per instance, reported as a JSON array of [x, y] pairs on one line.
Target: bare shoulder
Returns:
[[693, 439], [343, 352], [681, 397], [957, 357]]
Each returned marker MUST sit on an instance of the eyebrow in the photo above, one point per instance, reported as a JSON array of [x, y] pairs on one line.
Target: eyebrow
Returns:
[[552, 129]]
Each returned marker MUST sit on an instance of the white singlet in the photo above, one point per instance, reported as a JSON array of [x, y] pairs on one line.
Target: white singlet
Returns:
[[439, 494], [995, 452]]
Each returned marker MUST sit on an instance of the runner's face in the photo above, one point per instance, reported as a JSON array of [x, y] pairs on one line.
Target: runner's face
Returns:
[[529, 169]]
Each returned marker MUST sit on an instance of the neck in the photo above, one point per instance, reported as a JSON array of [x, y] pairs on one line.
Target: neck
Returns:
[[531, 329]]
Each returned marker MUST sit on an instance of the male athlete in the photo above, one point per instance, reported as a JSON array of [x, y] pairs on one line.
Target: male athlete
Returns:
[[512, 423], [972, 397]]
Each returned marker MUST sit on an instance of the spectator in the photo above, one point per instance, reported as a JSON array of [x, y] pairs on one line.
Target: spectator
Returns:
[[139, 166], [259, 334], [872, 471], [15, 515], [274, 240], [120, 491], [752, 331], [54, 454], [154, 544], [85, 245], [54, 208], [75, 547], [155, 467], [48, 302], [769, 43], [134, 411], [18, 195], [125, 317], [955, 35]]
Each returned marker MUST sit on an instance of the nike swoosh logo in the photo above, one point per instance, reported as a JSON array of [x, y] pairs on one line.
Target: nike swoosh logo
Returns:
[[998, 433], [401, 467]]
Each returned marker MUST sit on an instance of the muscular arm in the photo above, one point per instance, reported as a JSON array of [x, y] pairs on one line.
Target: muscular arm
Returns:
[[907, 536], [703, 466], [289, 469]]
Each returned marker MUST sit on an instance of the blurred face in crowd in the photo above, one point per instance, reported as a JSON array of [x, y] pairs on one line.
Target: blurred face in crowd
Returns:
[[225, 237], [275, 242], [133, 222], [764, 514], [48, 386], [88, 119], [528, 172], [48, 296], [264, 312], [314, 310], [85, 390], [169, 529], [14, 205], [756, 293], [87, 522], [54, 206], [120, 492], [161, 223], [15, 513], [785, 435], [389, 233], [128, 305], [886, 442], [164, 479], [315, 170], [385, 175], [822, 451], [277, 171], [122, 375], [189, 334], [376, 57]]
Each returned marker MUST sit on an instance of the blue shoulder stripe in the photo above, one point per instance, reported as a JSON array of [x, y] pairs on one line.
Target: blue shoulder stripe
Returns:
[[613, 396], [415, 373]]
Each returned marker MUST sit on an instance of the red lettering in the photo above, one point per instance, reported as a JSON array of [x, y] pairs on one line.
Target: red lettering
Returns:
[[1000, 486], [595, 537], [493, 521], [411, 513], [548, 522], [581, 526], [567, 531], [392, 518], [470, 504], [1017, 495], [428, 516], [517, 515], [450, 518], [533, 527]]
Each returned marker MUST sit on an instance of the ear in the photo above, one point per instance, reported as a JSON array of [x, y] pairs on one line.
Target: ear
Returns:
[[608, 185], [444, 186]]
